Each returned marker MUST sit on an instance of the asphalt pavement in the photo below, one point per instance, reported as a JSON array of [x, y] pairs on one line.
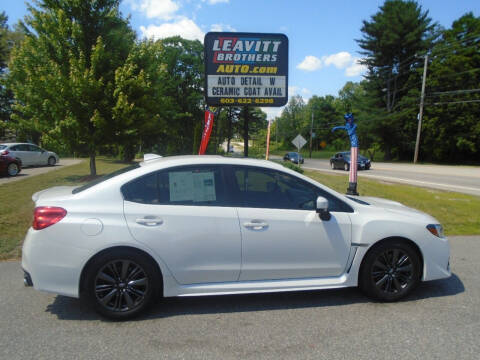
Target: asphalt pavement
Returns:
[[463, 179], [441, 320], [28, 172]]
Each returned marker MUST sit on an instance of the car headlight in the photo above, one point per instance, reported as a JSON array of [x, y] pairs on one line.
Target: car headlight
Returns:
[[436, 229]]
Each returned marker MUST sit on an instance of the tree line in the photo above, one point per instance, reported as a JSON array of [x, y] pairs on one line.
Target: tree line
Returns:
[[75, 78], [394, 44]]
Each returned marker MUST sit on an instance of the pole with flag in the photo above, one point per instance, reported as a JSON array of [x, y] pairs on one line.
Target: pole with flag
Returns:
[[268, 139], [210, 114]]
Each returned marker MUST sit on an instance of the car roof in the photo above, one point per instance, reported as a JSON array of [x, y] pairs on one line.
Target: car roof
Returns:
[[17, 143], [208, 159]]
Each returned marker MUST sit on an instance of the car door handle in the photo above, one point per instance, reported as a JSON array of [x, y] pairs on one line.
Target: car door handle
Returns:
[[256, 225], [149, 221]]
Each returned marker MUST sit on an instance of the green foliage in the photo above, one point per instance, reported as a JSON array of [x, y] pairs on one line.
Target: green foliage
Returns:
[[63, 74], [391, 40], [292, 166], [451, 129]]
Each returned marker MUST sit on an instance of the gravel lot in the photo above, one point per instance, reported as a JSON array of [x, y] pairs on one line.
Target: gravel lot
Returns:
[[440, 321]]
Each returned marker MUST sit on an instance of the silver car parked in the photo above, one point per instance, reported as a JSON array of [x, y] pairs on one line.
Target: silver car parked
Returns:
[[29, 154]]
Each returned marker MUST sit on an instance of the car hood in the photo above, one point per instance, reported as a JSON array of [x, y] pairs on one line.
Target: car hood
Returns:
[[53, 193], [396, 207]]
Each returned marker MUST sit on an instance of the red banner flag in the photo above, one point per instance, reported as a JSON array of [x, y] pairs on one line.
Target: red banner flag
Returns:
[[207, 130]]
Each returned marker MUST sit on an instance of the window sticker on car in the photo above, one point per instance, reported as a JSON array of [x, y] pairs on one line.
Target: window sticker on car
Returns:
[[192, 186]]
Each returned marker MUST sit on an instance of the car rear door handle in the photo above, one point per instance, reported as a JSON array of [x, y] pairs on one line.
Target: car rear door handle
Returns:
[[149, 221], [256, 225]]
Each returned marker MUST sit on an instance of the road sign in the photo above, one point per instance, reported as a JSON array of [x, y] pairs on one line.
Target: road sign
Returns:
[[243, 69], [299, 141]]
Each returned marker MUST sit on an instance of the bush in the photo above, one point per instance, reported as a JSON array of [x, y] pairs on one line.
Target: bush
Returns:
[[292, 166]]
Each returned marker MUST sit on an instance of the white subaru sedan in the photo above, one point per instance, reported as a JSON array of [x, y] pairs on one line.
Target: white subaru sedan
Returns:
[[208, 225]]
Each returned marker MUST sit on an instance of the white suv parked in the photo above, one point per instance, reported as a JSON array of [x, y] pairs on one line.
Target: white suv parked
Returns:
[[208, 225]]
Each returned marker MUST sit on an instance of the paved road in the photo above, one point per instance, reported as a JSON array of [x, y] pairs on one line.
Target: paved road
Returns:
[[37, 170], [464, 179], [440, 321]]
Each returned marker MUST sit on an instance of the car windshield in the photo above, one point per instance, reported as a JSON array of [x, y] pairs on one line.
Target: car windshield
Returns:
[[3, 147], [105, 177]]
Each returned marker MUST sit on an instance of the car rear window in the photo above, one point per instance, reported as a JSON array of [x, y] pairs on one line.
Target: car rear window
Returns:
[[105, 177], [3, 147]]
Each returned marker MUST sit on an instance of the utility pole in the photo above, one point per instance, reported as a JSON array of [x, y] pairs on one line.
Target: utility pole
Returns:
[[311, 135], [420, 115]]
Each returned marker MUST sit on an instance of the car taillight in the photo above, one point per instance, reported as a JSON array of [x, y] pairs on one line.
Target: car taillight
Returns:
[[45, 216]]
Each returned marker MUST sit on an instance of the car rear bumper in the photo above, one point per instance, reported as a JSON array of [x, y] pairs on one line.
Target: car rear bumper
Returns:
[[50, 266]]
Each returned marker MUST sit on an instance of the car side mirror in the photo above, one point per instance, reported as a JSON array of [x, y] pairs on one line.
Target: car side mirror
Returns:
[[322, 208]]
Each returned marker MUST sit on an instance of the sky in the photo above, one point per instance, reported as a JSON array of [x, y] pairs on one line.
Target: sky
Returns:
[[323, 53]]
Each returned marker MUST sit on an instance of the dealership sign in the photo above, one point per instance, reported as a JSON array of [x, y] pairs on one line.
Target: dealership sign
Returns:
[[246, 69]]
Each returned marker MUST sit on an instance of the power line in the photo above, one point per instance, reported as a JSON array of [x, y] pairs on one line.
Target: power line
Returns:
[[454, 102], [454, 92]]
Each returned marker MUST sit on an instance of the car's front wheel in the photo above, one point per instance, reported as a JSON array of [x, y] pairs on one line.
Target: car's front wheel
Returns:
[[346, 167], [332, 165], [121, 284], [390, 271], [51, 161], [13, 169]]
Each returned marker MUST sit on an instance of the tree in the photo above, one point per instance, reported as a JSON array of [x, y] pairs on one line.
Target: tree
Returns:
[[252, 120], [451, 130], [184, 81], [391, 40], [8, 39], [63, 74]]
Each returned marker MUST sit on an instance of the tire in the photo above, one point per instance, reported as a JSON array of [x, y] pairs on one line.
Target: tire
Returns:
[[390, 271], [52, 161], [121, 284], [346, 167], [12, 169], [332, 165]]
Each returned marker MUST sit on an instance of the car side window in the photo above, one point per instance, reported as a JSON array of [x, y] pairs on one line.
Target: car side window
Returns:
[[265, 188], [34, 148], [187, 185]]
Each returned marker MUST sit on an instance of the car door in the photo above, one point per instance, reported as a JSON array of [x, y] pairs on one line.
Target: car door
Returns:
[[36, 155], [282, 235], [21, 151], [185, 216]]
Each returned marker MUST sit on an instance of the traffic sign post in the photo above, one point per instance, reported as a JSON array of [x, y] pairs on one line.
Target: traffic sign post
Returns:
[[299, 142]]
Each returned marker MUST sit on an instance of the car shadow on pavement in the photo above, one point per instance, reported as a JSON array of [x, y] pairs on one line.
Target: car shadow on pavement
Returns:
[[66, 308]]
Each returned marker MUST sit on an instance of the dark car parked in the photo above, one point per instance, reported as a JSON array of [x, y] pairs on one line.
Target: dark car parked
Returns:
[[294, 157], [341, 160], [9, 165]]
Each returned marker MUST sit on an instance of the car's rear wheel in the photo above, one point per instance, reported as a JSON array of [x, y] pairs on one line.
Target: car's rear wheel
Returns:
[[390, 271], [121, 284], [13, 169], [52, 161], [346, 167]]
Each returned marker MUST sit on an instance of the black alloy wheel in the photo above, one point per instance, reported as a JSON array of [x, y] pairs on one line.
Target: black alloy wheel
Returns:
[[390, 271], [122, 284]]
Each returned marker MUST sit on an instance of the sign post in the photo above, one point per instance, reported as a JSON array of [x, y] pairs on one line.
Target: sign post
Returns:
[[246, 69], [299, 142]]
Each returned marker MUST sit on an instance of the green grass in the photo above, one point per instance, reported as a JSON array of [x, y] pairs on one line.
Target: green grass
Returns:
[[458, 213], [16, 205]]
